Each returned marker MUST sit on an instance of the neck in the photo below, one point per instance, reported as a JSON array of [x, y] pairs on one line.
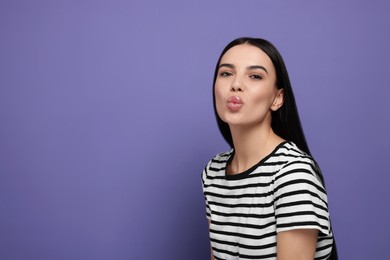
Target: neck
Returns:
[[251, 144]]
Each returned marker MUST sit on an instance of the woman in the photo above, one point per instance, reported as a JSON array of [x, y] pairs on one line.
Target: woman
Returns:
[[265, 198]]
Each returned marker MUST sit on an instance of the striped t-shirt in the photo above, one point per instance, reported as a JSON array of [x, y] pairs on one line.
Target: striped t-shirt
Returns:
[[246, 210]]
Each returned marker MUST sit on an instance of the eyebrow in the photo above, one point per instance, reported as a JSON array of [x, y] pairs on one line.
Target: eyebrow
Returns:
[[231, 66]]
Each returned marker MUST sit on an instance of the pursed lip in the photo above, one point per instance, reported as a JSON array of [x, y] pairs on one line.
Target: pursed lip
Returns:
[[234, 103], [234, 100]]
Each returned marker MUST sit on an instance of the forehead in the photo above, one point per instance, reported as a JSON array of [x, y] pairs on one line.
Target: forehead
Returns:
[[247, 55]]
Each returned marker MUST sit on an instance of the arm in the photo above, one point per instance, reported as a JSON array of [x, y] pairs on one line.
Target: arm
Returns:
[[211, 249], [298, 244]]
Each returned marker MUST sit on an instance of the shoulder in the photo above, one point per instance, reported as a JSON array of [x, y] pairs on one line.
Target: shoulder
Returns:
[[217, 164], [298, 172], [292, 152], [295, 160]]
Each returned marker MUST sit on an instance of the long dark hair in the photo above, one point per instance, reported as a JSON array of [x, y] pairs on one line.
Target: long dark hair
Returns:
[[285, 121]]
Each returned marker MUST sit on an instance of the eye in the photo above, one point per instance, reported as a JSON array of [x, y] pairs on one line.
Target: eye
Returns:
[[225, 74], [256, 77]]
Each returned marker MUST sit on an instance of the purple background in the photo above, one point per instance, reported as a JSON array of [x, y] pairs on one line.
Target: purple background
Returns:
[[106, 120]]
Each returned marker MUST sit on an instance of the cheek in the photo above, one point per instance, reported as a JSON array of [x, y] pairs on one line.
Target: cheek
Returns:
[[219, 99], [263, 99], [218, 94]]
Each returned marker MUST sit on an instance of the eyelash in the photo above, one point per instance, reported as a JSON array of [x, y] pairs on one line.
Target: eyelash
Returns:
[[225, 74], [253, 76], [256, 77]]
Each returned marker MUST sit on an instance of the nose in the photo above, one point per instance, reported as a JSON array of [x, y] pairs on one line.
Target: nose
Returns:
[[236, 85], [238, 89]]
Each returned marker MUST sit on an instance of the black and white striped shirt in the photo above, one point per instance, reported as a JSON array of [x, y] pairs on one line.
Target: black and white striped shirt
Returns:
[[246, 210]]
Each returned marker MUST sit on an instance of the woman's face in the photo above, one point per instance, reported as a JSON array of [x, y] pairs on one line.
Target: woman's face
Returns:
[[245, 90]]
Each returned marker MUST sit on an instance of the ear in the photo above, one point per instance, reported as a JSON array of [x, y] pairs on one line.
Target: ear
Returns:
[[278, 100]]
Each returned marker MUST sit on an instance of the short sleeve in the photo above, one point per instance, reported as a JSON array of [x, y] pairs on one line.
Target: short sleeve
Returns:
[[204, 176], [300, 199]]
